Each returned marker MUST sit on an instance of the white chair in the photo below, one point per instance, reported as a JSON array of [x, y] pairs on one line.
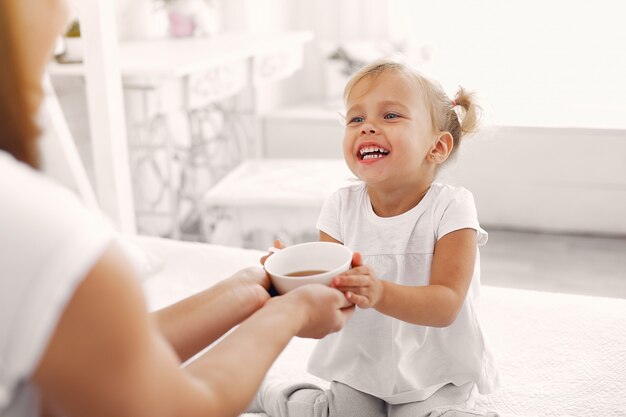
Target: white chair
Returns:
[[266, 199]]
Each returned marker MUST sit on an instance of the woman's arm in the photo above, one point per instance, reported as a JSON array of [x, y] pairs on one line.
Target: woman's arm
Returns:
[[195, 322], [107, 356], [241, 360], [436, 304]]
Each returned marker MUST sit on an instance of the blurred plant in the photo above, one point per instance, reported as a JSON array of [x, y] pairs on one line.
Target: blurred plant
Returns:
[[350, 64], [69, 47], [73, 30], [192, 17], [353, 56]]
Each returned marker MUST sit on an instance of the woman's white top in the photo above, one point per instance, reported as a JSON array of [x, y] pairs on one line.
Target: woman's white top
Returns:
[[48, 244], [391, 359]]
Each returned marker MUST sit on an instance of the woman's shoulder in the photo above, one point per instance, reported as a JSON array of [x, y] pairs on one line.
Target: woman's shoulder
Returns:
[[18, 178], [28, 192], [39, 208], [49, 242], [49, 237]]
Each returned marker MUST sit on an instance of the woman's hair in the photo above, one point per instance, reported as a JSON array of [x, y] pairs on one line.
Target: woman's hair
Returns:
[[18, 129], [443, 110]]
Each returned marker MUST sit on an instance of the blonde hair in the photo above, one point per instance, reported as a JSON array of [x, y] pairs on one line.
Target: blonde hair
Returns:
[[443, 110]]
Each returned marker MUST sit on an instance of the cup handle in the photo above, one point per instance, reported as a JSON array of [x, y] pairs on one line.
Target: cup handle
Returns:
[[271, 290], [273, 249]]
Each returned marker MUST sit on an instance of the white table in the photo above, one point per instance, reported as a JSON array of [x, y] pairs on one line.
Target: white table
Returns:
[[264, 199], [186, 81]]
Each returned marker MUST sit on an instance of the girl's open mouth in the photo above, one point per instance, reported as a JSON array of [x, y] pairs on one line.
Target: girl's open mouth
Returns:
[[372, 152]]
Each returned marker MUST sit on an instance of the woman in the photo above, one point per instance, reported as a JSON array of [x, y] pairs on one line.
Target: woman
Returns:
[[75, 335]]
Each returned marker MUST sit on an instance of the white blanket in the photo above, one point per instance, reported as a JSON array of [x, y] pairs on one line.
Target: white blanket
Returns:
[[558, 354]]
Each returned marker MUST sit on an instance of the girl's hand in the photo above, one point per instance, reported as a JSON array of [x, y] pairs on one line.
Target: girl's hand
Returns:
[[360, 284], [278, 245]]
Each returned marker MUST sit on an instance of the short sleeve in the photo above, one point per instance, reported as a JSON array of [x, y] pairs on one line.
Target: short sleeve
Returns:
[[459, 212], [329, 220], [49, 243]]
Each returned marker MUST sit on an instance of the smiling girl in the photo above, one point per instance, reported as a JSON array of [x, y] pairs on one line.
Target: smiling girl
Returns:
[[414, 346]]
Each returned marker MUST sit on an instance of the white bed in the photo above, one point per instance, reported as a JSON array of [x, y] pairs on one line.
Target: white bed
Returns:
[[558, 354]]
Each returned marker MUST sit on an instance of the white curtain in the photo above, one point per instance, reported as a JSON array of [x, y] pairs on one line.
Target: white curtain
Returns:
[[557, 63]]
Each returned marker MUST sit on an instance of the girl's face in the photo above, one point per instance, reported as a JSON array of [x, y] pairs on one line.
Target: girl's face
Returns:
[[389, 135], [37, 23]]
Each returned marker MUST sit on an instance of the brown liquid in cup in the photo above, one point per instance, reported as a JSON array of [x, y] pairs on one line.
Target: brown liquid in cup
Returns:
[[305, 273]]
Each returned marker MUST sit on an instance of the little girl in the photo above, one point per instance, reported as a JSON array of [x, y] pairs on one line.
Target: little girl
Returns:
[[414, 347]]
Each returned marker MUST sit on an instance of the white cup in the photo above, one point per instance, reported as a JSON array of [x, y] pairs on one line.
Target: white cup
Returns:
[[327, 259]]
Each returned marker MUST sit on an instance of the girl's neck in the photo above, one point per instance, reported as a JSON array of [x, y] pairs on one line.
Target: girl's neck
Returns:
[[393, 201]]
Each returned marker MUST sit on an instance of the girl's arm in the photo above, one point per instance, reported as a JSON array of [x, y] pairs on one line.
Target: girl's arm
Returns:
[[436, 304], [195, 322], [107, 357], [326, 238]]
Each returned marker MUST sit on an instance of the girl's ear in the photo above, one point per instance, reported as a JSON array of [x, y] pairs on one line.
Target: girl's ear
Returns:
[[442, 148]]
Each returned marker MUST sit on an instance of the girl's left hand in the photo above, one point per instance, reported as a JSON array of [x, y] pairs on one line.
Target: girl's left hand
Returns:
[[278, 245], [360, 284]]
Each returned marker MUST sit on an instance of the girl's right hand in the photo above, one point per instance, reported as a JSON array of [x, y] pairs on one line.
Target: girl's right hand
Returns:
[[278, 245]]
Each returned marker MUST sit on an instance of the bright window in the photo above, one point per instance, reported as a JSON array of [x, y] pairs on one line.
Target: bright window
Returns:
[[534, 63]]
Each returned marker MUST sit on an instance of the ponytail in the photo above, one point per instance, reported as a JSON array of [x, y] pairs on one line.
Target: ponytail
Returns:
[[468, 111], [463, 115]]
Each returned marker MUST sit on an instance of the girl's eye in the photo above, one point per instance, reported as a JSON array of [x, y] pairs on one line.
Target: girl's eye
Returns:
[[391, 116], [357, 119]]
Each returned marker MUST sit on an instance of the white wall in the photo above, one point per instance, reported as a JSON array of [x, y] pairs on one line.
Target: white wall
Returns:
[[562, 180], [564, 171], [542, 179], [332, 22], [551, 179], [557, 63]]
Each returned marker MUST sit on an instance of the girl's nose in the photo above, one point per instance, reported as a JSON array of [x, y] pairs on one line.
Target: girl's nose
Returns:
[[368, 129]]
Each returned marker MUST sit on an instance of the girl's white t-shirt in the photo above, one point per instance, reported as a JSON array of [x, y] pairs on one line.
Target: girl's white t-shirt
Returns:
[[48, 244], [388, 358]]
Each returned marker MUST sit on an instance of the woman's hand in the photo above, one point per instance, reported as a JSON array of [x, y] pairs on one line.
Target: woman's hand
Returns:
[[249, 285], [197, 321], [323, 310], [360, 284]]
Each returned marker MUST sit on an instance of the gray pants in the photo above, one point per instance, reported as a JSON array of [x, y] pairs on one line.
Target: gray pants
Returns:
[[307, 400]]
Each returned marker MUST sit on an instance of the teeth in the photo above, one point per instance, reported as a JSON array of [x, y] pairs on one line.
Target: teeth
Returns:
[[371, 149]]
